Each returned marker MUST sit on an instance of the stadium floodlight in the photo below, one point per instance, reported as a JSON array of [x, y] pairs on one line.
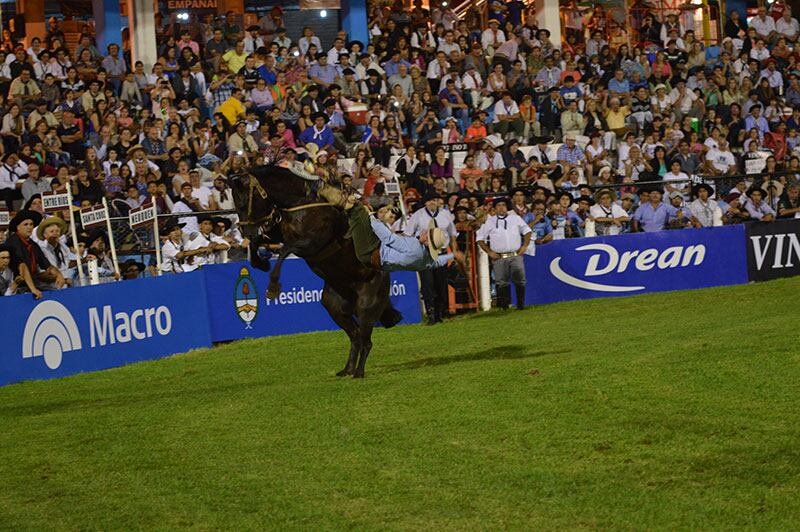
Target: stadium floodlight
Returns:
[[323, 13]]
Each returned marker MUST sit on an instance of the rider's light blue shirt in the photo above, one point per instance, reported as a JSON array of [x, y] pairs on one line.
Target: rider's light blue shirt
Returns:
[[400, 252]]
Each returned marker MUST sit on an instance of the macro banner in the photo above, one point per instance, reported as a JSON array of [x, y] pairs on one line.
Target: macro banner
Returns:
[[638, 263], [97, 327], [239, 308], [773, 249]]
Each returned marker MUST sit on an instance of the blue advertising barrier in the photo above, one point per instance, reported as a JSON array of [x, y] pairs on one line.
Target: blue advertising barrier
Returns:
[[636, 263], [98, 327], [239, 308]]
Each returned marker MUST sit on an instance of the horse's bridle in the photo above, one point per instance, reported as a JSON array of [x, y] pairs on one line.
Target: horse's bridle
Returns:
[[274, 215], [267, 219]]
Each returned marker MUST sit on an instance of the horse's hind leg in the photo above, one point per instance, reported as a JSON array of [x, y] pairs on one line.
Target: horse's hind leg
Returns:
[[341, 311], [366, 322], [373, 298]]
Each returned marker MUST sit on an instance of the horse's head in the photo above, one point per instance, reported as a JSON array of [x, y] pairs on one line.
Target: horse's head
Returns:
[[253, 203], [258, 191]]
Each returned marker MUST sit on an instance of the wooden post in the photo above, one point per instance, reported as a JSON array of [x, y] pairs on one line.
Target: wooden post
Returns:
[[157, 238], [111, 238], [74, 235]]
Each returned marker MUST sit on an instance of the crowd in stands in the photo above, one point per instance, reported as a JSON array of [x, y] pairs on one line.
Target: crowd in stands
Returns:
[[592, 135]]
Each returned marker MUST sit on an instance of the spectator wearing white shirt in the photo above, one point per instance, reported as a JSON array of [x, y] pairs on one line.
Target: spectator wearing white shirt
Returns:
[[188, 204], [448, 45], [682, 98], [507, 119], [493, 36], [720, 161], [473, 86], [763, 24], [607, 215], [49, 236], [252, 40], [206, 242], [438, 69], [307, 40], [760, 52], [705, 212], [333, 53], [491, 161], [677, 180], [787, 26], [10, 179]]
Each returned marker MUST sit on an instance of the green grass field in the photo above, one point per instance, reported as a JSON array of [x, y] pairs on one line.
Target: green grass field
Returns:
[[662, 411]]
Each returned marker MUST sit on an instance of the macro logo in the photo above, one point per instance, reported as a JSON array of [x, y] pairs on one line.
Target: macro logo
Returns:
[[50, 332], [608, 261], [245, 298]]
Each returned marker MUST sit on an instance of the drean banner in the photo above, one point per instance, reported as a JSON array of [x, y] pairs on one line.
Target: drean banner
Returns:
[[98, 327], [773, 249], [239, 308], [636, 263]]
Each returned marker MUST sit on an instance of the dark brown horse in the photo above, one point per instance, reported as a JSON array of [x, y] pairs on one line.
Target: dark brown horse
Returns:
[[273, 201]]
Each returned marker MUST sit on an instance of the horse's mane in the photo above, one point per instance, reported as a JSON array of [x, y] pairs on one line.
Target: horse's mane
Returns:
[[286, 189]]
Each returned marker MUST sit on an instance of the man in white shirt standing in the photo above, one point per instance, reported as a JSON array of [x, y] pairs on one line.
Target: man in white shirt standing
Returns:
[[505, 237], [433, 281]]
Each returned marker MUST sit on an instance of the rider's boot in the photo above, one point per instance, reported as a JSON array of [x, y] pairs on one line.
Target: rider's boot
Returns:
[[336, 196]]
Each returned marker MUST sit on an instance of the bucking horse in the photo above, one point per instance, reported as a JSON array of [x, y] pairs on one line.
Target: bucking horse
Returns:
[[277, 203]]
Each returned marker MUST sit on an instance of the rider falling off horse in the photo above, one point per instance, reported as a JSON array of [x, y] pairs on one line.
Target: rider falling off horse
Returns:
[[378, 247]]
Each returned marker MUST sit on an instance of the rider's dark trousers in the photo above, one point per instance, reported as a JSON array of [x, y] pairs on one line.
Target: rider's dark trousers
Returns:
[[434, 291]]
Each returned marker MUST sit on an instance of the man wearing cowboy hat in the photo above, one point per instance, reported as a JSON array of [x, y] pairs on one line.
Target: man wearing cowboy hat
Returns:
[[27, 259], [608, 216], [49, 235], [132, 269], [757, 208], [137, 157], [319, 134], [493, 36], [490, 161], [207, 243], [704, 211], [173, 255], [97, 244], [505, 237]]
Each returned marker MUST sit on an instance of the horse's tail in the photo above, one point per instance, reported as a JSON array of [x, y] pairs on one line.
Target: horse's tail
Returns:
[[390, 317]]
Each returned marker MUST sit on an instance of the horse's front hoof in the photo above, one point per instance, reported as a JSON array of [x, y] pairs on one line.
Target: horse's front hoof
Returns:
[[358, 374], [273, 291], [344, 373]]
